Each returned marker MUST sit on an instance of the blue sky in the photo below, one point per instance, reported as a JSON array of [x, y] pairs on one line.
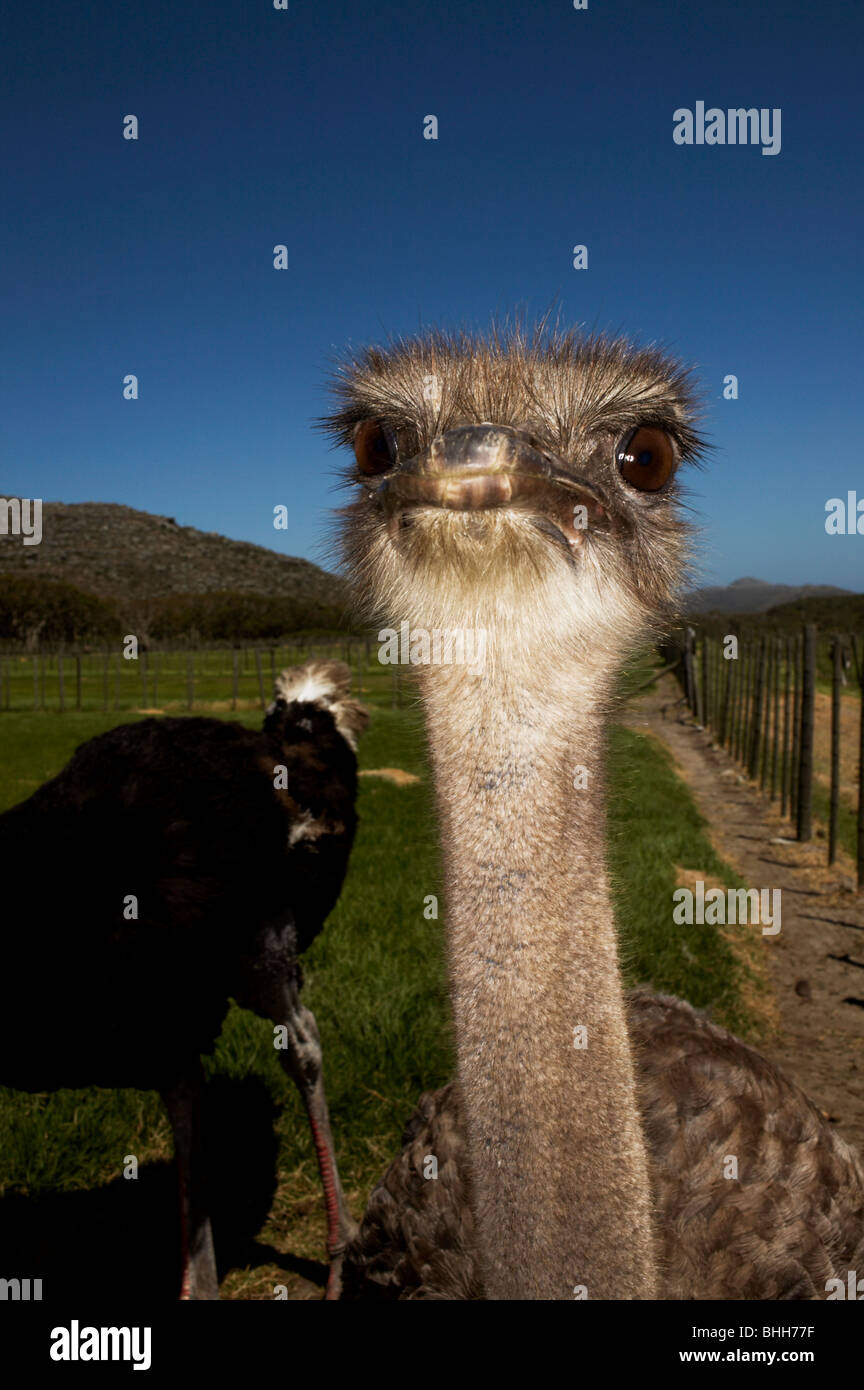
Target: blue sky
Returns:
[[304, 127]]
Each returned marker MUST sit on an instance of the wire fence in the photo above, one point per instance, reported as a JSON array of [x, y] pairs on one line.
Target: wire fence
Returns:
[[192, 678], [758, 696]]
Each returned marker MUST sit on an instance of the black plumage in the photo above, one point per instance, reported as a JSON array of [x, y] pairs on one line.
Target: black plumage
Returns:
[[174, 864]]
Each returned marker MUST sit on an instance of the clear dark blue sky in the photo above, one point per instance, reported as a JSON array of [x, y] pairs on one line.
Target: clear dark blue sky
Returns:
[[555, 127]]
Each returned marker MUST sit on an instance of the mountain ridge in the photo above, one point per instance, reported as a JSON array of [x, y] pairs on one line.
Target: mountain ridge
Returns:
[[749, 595], [120, 552]]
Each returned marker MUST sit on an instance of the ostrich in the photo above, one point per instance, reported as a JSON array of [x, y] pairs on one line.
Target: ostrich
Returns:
[[173, 863], [527, 485]]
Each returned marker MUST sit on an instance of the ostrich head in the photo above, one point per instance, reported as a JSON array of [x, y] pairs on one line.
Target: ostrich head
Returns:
[[526, 482], [326, 684]]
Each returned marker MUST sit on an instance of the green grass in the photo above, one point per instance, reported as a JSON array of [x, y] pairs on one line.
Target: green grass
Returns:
[[654, 826], [375, 978]]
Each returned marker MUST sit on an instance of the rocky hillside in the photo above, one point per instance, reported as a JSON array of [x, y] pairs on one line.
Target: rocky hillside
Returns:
[[755, 596], [123, 554]]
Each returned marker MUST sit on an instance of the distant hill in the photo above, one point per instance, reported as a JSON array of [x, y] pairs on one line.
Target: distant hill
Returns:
[[841, 613], [836, 613], [122, 554], [756, 596]]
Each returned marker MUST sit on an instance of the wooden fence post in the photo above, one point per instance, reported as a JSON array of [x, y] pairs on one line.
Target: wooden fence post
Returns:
[[743, 712], [260, 675], [775, 743], [768, 707], [740, 671], [859, 663], [710, 694], [797, 658], [766, 715], [834, 802], [77, 682], [738, 690], [235, 675], [689, 681], [727, 692], [786, 785], [706, 712], [756, 711], [805, 768]]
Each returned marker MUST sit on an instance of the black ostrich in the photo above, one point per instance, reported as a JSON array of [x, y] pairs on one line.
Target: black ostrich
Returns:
[[173, 863]]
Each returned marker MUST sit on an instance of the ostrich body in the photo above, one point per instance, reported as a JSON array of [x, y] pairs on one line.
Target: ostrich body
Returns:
[[184, 868], [788, 1228], [528, 487]]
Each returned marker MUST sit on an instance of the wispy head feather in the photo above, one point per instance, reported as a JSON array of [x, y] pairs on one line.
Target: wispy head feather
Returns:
[[324, 683]]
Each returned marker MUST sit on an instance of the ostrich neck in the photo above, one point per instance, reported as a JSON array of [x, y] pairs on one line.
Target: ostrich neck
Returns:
[[561, 1191]]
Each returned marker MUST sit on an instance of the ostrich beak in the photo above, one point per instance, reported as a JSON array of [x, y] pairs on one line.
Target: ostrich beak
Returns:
[[475, 468]]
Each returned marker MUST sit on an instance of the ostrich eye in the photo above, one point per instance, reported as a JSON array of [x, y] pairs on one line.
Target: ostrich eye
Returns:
[[374, 447], [646, 459]]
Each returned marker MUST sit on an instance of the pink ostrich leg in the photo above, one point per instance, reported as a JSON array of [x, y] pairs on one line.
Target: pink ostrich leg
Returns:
[[302, 1058]]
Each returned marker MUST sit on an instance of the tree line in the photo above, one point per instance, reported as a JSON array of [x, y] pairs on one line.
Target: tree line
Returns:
[[44, 614]]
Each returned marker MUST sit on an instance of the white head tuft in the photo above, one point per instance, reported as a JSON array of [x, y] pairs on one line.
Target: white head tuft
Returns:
[[327, 684]]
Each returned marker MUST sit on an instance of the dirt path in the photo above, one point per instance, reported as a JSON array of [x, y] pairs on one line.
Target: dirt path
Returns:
[[815, 965]]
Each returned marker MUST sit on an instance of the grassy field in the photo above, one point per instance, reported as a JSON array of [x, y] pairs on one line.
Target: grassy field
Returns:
[[195, 679], [375, 979]]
